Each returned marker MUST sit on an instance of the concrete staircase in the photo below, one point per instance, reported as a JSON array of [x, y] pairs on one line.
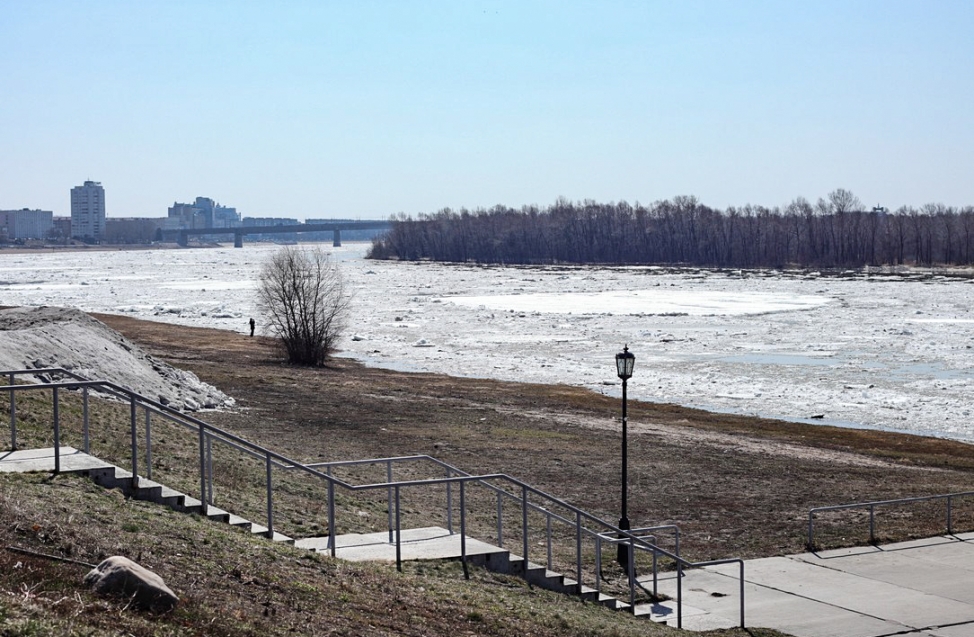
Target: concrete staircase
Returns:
[[539, 575], [112, 477], [438, 543]]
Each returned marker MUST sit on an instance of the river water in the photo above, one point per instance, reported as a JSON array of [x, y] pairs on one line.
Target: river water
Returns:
[[875, 351]]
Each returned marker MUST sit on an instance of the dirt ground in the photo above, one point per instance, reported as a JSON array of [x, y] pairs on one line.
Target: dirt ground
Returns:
[[736, 486]]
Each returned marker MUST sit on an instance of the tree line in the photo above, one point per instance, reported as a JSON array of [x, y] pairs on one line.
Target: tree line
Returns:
[[835, 232]]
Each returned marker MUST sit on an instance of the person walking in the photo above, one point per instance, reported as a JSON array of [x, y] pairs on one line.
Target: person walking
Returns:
[[252, 324]]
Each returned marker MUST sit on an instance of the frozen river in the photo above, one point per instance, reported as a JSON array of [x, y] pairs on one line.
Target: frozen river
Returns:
[[878, 352]]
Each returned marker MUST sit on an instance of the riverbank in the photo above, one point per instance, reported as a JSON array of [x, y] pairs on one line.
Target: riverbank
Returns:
[[48, 249], [737, 486]]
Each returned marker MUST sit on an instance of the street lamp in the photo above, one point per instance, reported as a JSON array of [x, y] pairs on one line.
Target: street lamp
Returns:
[[625, 360]]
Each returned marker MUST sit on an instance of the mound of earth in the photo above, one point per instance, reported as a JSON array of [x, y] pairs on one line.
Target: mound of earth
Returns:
[[39, 337]]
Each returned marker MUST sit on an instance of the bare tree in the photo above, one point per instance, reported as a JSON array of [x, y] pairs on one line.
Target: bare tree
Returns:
[[303, 298]]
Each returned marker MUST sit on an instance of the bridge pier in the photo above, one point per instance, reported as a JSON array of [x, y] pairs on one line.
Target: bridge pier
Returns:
[[237, 239], [336, 238]]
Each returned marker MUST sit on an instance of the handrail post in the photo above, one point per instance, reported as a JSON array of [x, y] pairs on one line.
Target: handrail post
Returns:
[[398, 535], [135, 444], [270, 498], [389, 498], [148, 444], [449, 502], [57, 432], [872, 524], [631, 572], [13, 415], [548, 538], [950, 516], [203, 505], [741, 592], [500, 519], [656, 570], [578, 550], [331, 517], [209, 470], [463, 529], [85, 423], [811, 531], [524, 525], [679, 594], [598, 562]]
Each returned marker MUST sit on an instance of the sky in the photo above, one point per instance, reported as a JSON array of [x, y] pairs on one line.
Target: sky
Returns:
[[368, 109]]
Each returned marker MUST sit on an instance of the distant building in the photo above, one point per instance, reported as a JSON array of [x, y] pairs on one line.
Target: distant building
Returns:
[[202, 213], [132, 230], [250, 222], [88, 211], [62, 229], [269, 221], [26, 224]]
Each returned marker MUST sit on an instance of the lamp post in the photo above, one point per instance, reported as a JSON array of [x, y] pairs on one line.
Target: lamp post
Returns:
[[625, 360]]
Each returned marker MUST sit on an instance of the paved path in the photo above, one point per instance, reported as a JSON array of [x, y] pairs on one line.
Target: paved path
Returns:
[[26, 460], [430, 543], [923, 588]]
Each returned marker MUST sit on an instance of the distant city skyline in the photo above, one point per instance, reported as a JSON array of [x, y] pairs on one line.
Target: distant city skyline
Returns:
[[365, 110]]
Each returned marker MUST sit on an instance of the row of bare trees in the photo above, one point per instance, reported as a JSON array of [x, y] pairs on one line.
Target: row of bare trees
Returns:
[[834, 232]]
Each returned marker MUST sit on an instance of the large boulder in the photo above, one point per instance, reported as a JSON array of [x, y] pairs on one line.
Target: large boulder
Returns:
[[122, 577]]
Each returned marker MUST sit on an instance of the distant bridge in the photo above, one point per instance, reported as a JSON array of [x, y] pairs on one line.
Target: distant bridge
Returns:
[[182, 236]]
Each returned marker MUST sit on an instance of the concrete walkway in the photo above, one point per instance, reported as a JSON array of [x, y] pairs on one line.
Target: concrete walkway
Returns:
[[27, 460], [919, 588], [923, 588], [430, 543]]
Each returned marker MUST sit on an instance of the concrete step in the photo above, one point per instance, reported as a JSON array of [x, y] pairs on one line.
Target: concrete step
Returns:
[[258, 529], [613, 603], [191, 505], [171, 498], [103, 476], [587, 593], [693, 618], [217, 514], [237, 521], [147, 490], [541, 577]]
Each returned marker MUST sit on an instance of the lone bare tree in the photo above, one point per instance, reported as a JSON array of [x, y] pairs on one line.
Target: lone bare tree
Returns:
[[303, 296]]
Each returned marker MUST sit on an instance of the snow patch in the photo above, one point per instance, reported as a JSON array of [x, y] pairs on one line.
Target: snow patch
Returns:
[[38, 337]]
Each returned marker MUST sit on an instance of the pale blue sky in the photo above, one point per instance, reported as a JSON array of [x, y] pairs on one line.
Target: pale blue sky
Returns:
[[366, 109]]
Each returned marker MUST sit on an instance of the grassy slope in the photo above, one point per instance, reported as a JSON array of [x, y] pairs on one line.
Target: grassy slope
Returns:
[[233, 584]]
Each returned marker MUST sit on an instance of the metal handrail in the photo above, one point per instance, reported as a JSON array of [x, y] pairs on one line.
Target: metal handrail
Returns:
[[207, 433], [949, 497], [170, 413]]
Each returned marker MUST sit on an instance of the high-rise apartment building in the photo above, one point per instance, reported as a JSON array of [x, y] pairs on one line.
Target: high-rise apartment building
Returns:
[[88, 211]]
